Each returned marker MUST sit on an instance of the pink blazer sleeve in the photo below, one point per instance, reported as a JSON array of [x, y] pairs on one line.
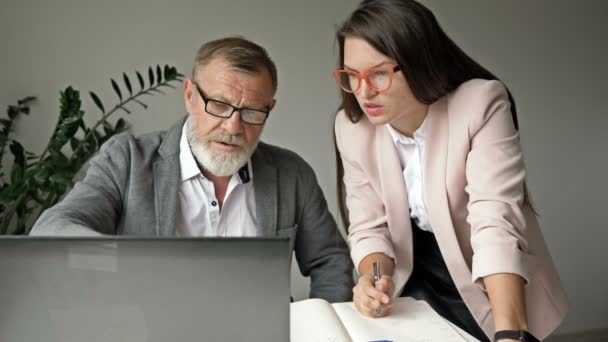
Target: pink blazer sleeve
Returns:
[[368, 231], [495, 179]]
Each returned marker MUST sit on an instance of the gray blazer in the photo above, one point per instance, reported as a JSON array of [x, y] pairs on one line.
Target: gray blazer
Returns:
[[131, 187]]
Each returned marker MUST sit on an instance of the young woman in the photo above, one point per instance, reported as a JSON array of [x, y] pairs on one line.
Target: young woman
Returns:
[[432, 180]]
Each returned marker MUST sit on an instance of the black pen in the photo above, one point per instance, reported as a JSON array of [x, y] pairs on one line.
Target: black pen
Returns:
[[376, 278]]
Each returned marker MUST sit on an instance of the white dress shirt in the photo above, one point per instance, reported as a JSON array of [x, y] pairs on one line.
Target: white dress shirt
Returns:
[[199, 212], [411, 152]]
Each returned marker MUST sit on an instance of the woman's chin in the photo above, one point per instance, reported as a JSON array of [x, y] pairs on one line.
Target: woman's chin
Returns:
[[378, 119]]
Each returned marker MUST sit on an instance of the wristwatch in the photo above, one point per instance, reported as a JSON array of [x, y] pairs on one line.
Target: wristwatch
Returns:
[[520, 335]]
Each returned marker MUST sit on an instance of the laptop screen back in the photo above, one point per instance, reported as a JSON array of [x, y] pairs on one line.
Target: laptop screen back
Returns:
[[144, 290]]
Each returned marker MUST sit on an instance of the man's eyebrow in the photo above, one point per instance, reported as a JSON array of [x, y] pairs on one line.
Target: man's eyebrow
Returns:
[[220, 97]]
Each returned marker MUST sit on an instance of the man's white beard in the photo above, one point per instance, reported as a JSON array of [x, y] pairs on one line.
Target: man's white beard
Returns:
[[219, 163]]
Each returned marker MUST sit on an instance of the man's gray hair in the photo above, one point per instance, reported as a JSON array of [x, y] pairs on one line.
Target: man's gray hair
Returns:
[[239, 53]]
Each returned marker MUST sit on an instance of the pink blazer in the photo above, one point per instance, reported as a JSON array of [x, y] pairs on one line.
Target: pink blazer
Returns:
[[473, 186]]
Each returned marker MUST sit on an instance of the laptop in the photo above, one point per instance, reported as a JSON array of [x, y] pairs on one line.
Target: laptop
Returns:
[[132, 289]]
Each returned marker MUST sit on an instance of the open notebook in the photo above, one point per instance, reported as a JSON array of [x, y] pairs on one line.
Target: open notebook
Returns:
[[316, 320]]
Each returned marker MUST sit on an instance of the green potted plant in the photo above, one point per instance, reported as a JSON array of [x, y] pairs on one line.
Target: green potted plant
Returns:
[[36, 182]]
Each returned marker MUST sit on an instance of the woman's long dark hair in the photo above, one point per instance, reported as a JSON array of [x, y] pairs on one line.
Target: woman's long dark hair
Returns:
[[432, 63]]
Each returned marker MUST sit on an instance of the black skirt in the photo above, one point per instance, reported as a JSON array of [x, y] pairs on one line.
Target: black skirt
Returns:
[[431, 282]]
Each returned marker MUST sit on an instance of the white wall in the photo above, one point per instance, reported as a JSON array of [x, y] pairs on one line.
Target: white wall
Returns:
[[551, 53]]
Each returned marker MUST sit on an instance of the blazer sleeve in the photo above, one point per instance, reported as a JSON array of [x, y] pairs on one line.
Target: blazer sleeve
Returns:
[[320, 249], [368, 230], [495, 184], [93, 206]]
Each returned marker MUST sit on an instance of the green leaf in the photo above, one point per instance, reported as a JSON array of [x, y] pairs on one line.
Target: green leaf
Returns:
[[151, 76], [97, 101], [62, 178], [41, 176], [26, 100], [98, 136], [159, 74], [120, 125], [21, 209], [116, 89], [127, 83], [12, 111], [59, 188], [59, 159], [141, 103], [140, 78], [172, 74], [167, 73], [92, 142], [74, 143], [18, 152], [37, 197], [17, 173], [70, 118], [108, 129]]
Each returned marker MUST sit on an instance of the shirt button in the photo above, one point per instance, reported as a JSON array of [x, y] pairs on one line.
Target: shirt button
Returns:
[[214, 203]]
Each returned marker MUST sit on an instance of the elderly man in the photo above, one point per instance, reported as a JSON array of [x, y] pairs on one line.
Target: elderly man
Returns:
[[209, 175]]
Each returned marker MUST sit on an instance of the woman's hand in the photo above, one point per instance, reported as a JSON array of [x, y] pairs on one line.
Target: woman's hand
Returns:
[[367, 296]]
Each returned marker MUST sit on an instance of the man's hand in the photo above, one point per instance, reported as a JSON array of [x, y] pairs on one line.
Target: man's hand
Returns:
[[368, 297]]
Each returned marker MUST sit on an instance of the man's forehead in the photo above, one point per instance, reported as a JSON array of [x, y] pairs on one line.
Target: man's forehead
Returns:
[[234, 79], [215, 79]]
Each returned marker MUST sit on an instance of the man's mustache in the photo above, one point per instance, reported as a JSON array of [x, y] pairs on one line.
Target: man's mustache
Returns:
[[224, 137]]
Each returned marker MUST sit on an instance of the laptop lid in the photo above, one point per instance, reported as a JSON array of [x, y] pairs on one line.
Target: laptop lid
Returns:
[[144, 289]]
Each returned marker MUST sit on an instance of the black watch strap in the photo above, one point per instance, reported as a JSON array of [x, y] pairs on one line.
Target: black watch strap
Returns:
[[520, 335]]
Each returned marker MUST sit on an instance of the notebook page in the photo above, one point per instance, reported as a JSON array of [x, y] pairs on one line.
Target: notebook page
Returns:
[[467, 337], [409, 321], [314, 320]]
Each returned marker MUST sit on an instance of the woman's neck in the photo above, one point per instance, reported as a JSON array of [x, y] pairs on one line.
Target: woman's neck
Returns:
[[408, 124]]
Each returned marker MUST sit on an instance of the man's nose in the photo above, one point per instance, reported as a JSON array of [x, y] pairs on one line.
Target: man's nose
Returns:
[[233, 124]]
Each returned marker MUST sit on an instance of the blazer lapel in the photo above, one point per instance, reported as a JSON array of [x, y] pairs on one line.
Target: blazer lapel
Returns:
[[437, 199], [265, 188], [434, 180], [395, 202], [166, 181]]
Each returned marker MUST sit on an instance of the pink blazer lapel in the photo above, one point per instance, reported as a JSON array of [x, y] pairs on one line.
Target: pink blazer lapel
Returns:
[[434, 184], [434, 180], [396, 204]]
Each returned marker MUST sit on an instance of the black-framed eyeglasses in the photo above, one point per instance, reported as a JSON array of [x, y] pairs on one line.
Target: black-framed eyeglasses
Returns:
[[225, 110]]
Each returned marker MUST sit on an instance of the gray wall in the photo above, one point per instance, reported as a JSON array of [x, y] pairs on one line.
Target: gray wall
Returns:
[[552, 54]]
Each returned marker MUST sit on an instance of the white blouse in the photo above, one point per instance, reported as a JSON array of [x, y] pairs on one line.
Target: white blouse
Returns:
[[411, 152]]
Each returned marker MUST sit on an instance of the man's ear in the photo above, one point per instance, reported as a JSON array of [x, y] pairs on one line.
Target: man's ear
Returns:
[[272, 104], [188, 94]]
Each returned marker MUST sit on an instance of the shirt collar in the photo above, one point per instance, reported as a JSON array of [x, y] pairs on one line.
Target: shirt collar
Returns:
[[190, 169]]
